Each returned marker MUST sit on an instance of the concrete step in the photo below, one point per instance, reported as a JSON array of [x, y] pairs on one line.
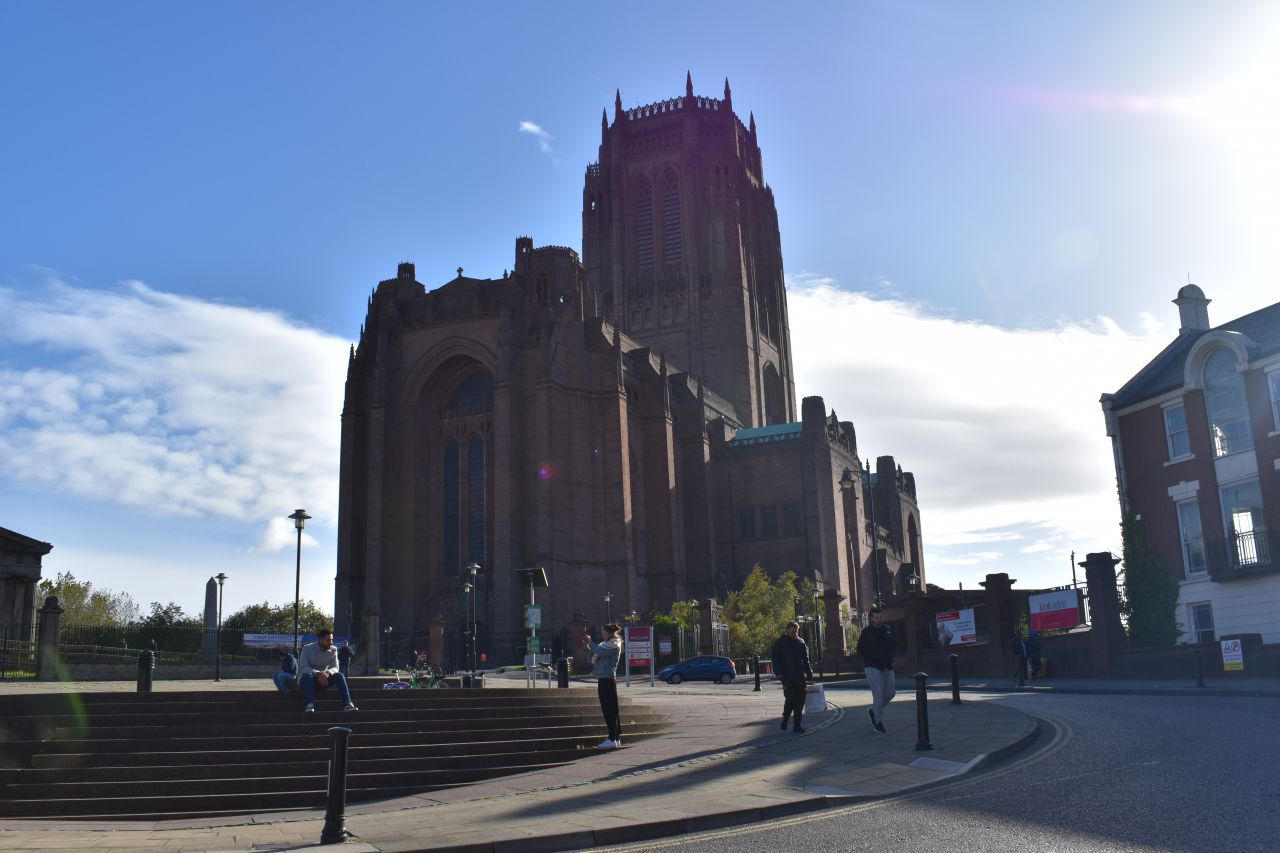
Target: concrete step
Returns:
[[122, 756], [318, 736], [318, 724]]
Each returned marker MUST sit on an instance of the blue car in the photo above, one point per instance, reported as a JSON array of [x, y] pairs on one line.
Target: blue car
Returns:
[[703, 668]]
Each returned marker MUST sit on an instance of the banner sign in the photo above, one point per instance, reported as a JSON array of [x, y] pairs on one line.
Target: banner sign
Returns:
[[533, 616], [664, 644], [1232, 655], [285, 641], [1052, 611], [269, 641], [956, 627], [639, 645]]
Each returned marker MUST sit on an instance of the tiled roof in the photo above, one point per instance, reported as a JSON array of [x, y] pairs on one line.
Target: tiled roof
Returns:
[[775, 432], [1166, 371]]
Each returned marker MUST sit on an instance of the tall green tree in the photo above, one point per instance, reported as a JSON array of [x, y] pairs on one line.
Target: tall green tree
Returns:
[[758, 612], [84, 605], [169, 615], [1150, 598], [267, 618]]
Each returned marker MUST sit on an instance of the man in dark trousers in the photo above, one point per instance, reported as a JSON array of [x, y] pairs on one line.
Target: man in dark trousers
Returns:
[[876, 645], [345, 654], [791, 665]]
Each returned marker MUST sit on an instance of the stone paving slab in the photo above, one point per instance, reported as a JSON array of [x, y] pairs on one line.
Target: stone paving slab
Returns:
[[722, 762]]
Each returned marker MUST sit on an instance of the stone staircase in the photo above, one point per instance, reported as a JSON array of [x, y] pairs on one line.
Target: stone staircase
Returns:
[[198, 754]]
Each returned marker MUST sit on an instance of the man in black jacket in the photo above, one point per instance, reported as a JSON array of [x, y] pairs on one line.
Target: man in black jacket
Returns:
[[791, 665], [876, 645]]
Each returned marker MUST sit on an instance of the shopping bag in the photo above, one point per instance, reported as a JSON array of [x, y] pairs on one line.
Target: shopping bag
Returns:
[[815, 698]]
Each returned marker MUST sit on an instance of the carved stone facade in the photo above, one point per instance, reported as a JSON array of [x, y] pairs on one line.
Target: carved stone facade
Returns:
[[20, 558], [627, 421]]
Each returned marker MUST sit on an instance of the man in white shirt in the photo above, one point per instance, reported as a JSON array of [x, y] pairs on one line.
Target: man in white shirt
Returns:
[[318, 668]]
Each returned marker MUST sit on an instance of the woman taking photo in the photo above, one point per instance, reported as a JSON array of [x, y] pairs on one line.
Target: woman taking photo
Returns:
[[604, 659]]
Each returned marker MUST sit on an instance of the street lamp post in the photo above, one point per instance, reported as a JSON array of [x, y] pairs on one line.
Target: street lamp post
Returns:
[[473, 569], [387, 632], [467, 588], [217, 667], [299, 521], [608, 616]]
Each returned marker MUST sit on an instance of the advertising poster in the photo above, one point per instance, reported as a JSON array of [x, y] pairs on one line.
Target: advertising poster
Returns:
[[1232, 655], [664, 644], [1054, 611], [956, 627]]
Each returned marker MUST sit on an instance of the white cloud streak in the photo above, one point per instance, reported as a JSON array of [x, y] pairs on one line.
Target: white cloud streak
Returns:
[[169, 404], [543, 138]]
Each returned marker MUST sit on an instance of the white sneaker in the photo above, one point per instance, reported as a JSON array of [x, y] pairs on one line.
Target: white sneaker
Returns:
[[617, 744], [350, 706], [607, 744], [311, 708]]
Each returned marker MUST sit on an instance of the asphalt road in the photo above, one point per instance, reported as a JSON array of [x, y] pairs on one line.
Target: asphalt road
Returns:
[[1109, 773]]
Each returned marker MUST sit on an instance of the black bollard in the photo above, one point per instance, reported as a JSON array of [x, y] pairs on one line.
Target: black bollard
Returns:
[[955, 679], [562, 673], [922, 715], [335, 818], [146, 669], [755, 662]]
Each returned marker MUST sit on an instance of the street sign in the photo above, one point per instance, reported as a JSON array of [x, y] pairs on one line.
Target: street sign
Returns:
[[639, 644], [535, 645], [533, 616], [1232, 655]]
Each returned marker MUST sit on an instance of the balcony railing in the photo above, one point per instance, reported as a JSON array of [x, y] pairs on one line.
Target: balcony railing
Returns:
[[1244, 555]]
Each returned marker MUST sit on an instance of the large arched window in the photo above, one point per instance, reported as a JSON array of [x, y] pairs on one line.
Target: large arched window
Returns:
[[475, 501], [775, 410], [1228, 407], [644, 224], [672, 241], [450, 516], [466, 424], [474, 394]]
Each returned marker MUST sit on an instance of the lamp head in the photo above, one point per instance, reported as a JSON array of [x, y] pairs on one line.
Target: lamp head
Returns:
[[220, 578], [299, 518], [846, 480]]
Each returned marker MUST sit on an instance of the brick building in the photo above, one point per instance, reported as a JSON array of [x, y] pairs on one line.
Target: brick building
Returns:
[[1196, 437], [625, 420]]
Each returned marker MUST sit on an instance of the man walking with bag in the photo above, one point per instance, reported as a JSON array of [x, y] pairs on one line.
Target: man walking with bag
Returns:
[[790, 658], [876, 646]]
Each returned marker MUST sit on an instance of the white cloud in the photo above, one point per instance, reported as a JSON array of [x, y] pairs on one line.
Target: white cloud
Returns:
[[168, 404], [1000, 426], [544, 138]]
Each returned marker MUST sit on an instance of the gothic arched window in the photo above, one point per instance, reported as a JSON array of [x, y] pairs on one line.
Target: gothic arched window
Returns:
[[774, 406], [644, 224], [475, 501], [451, 510], [672, 245], [473, 394]]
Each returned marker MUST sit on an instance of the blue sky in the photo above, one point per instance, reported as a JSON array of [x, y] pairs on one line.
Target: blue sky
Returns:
[[985, 211]]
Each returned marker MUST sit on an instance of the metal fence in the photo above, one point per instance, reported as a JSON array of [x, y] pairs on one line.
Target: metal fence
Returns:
[[174, 644], [17, 651]]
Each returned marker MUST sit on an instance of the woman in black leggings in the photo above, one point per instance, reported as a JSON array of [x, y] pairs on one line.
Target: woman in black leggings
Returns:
[[604, 659]]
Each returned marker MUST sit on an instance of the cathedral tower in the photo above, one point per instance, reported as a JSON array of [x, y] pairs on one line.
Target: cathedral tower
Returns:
[[681, 247]]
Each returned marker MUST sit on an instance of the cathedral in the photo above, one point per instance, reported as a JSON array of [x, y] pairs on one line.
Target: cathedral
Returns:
[[624, 420]]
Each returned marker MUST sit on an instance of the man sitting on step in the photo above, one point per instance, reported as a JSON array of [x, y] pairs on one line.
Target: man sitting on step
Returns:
[[318, 668], [288, 675]]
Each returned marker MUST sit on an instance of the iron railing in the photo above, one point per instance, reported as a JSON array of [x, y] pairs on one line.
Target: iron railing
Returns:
[[17, 651], [1242, 555]]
